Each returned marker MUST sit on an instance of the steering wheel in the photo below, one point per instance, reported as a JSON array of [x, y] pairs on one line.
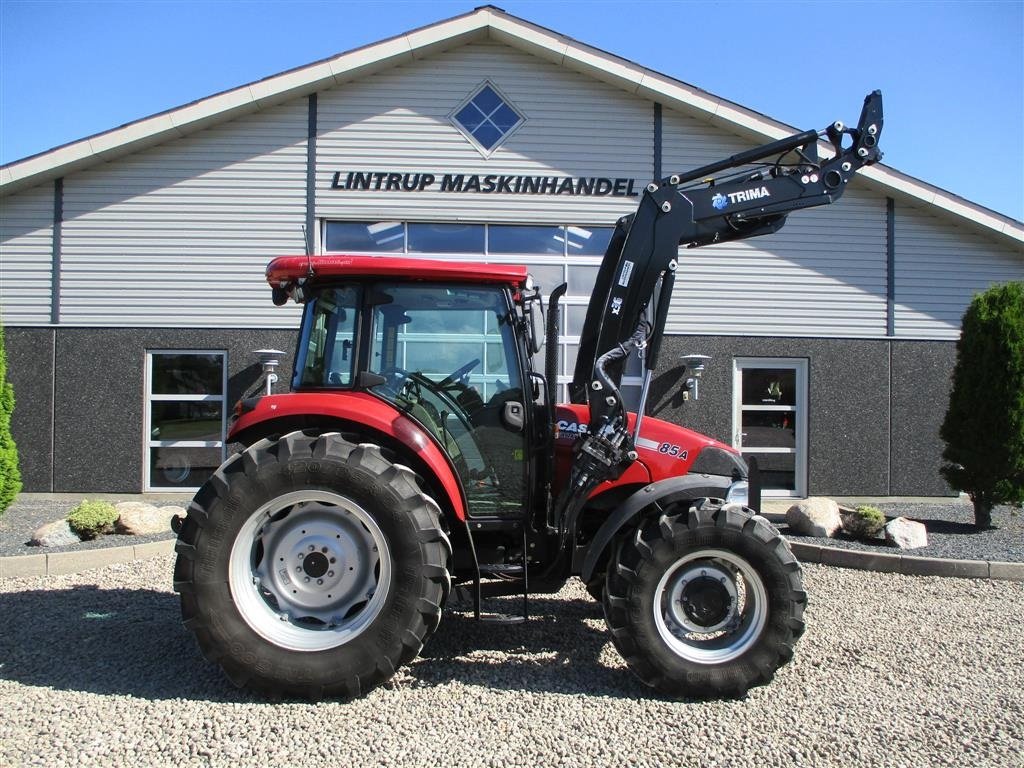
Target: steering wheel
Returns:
[[458, 374]]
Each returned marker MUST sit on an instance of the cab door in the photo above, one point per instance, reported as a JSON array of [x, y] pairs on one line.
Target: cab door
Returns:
[[450, 360]]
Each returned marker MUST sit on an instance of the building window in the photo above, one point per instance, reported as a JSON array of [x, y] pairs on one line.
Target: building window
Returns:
[[367, 236], [185, 417], [445, 238], [486, 118]]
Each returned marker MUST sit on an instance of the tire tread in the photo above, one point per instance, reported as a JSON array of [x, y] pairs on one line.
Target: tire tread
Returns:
[[425, 523]]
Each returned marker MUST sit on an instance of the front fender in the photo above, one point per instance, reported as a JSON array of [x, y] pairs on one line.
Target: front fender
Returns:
[[298, 410], [664, 492]]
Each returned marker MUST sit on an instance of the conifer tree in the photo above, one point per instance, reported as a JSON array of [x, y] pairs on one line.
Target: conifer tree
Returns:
[[984, 425], [10, 477]]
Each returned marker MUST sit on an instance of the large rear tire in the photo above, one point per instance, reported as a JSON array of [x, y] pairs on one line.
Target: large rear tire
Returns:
[[309, 566], [704, 602]]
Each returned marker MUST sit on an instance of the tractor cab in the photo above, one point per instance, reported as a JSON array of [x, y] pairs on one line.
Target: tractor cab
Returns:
[[451, 355]]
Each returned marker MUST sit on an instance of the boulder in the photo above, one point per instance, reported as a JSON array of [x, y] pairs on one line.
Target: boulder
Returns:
[[137, 518], [816, 516], [55, 534], [906, 534]]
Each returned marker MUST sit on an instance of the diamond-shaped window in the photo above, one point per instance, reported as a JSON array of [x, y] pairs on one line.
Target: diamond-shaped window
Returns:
[[487, 118]]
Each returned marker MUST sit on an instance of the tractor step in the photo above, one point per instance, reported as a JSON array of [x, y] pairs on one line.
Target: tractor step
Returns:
[[500, 569], [501, 618], [510, 574]]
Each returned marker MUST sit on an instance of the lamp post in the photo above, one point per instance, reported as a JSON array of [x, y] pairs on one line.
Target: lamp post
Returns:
[[269, 359], [694, 367]]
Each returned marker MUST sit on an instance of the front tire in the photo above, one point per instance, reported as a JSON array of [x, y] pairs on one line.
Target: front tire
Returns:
[[705, 602], [310, 566]]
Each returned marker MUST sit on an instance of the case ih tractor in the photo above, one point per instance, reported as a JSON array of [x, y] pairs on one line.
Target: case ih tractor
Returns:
[[318, 560]]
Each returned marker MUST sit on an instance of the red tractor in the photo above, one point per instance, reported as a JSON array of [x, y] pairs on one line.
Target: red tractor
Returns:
[[402, 466]]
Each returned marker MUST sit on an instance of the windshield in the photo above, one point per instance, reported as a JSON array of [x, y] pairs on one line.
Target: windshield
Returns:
[[439, 330]]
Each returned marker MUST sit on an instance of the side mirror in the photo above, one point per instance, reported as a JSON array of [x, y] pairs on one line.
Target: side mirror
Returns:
[[534, 317]]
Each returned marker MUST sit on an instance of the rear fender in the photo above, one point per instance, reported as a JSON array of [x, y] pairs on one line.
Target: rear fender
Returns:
[[277, 414], [665, 492]]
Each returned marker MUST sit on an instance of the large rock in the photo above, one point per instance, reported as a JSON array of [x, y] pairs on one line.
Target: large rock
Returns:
[[137, 518], [816, 516], [55, 534], [906, 534]]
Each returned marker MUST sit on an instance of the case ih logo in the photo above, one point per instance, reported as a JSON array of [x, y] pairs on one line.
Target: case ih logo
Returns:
[[720, 201]]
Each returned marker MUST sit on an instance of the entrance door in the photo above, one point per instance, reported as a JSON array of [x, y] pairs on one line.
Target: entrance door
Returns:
[[770, 421]]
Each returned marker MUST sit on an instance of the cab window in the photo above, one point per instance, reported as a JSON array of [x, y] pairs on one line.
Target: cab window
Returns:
[[327, 346]]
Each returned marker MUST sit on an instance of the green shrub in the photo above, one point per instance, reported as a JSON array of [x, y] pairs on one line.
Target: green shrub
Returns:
[[91, 518], [864, 522], [984, 425], [10, 476]]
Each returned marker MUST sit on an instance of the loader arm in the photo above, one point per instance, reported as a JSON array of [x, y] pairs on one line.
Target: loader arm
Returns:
[[634, 284]]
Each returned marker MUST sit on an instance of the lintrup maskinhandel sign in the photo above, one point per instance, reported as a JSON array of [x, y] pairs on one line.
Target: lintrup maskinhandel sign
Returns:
[[391, 181]]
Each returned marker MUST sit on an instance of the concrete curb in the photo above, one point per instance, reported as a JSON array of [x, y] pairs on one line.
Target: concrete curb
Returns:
[[909, 565], [54, 563], [51, 564]]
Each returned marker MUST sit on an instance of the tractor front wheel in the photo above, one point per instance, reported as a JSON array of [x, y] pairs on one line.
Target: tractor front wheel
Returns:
[[310, 566], [704, 602]]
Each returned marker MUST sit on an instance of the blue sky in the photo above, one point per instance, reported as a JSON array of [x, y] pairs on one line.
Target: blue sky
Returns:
[[952, 72]]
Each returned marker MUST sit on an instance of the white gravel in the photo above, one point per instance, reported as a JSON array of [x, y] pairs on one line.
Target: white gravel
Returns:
[[95, 669]]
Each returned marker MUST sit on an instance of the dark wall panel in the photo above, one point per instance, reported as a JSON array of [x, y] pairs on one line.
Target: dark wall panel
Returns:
[[30, 371], [847, 389], [100, 396], [921, 382]]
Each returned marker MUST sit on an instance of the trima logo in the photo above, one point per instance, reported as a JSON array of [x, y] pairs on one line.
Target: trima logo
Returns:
[[720, 201]]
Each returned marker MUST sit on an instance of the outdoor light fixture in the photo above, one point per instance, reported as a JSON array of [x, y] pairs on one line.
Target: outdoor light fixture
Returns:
[[269, 360], [693, 367]]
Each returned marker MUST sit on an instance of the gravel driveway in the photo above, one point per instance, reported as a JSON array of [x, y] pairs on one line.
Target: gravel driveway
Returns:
[[96, 669]]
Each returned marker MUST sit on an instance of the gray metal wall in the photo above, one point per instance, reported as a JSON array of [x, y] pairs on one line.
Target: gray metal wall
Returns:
[[939, 268], [398, 120], [26, 256]]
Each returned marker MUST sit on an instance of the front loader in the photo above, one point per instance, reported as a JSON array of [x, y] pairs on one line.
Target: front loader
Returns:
[[419, 456]]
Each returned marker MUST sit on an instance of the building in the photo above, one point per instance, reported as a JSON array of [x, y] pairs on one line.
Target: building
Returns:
[[132, 288]]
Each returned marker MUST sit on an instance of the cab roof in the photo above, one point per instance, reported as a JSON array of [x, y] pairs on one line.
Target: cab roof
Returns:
[[286, 270]]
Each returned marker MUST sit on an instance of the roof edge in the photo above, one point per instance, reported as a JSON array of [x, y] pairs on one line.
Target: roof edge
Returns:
[[244, 99], [483, 22]]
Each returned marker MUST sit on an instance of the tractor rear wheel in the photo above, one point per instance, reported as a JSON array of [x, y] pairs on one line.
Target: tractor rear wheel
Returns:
[[313, 567], [704, 602]]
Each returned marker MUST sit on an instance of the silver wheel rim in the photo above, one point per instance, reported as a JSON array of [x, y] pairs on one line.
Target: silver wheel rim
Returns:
[[728, 635], [309, 570]]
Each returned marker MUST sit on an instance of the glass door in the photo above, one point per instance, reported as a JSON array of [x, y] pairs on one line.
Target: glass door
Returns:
[[185, 419], [770, 421]]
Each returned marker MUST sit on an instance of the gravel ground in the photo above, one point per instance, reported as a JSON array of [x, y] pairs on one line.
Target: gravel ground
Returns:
[[23, 517], [951, 533], [96, 669]]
